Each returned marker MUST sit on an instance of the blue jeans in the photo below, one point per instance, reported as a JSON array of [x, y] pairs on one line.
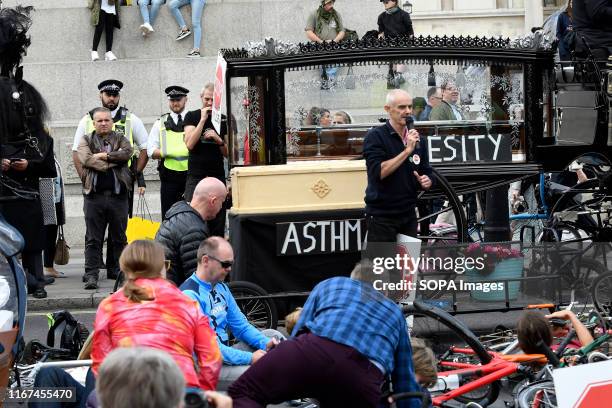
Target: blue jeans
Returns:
[[197, 7], [144, 10], [52, 377]]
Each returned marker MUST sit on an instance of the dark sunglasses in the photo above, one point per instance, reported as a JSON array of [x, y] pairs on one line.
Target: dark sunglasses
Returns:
[[224, 264]]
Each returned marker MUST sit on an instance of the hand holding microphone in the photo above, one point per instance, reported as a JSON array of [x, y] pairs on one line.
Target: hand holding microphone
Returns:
[[411, 136]]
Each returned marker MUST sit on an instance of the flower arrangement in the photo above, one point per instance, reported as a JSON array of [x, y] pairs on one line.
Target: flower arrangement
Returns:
[[491, 254]]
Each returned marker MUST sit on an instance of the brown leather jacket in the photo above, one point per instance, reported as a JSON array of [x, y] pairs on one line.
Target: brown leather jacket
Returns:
[[121, 151]]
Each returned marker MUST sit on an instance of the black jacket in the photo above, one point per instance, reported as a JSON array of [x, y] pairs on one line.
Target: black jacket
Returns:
[[593, 20], [396, 194], [181, 234]]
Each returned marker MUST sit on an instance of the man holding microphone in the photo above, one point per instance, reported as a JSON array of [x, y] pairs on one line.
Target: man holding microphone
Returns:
[[398, 167]]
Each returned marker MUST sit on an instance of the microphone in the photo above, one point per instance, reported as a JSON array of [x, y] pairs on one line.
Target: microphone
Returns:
[[410, 126]]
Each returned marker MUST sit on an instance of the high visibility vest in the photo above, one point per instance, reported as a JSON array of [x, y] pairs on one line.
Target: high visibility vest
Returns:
[[172, 146], [123, 126]]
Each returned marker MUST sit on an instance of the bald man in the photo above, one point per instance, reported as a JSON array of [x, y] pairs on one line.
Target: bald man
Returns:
[[398, 168], [185, 227]]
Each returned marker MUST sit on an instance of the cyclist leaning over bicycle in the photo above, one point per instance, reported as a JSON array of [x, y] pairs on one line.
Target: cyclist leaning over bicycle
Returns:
[[347, 325]]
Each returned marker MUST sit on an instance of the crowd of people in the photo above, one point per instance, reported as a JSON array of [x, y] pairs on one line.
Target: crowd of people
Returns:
[[110, 150], [105, 17]]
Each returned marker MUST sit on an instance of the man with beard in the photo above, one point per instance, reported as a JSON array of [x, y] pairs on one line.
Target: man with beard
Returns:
[[206, 151], [126, 124], [167, 144]]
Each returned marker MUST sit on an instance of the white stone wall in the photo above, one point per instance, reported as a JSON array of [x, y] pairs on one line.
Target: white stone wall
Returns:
[[58, 59]]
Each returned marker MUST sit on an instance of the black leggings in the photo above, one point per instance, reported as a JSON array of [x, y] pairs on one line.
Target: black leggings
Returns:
[[105, 22]]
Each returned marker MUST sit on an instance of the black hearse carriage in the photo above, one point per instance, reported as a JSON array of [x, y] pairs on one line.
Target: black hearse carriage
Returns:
[[298, 186]]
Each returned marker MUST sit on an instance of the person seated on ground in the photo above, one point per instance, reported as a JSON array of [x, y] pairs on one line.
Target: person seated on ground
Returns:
[[185, 227], [150, 311], [342, 118], [348, 338], [424, 363], [206, 286], [533, 327], [141, 377], [291, 319]]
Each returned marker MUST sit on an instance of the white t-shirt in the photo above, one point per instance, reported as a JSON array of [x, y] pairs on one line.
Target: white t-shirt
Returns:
[[107, 7]]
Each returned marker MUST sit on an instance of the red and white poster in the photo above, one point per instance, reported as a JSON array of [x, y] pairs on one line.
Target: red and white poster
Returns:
[[584, 386], [218, 107]]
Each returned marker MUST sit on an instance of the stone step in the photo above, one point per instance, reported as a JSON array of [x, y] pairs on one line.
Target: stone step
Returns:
[[62, 30]]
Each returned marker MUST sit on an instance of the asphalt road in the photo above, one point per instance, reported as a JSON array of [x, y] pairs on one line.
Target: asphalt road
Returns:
[[36, 328]]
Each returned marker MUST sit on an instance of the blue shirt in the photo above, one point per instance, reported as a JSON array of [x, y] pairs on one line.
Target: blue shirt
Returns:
[[353, 313], [221, 308]]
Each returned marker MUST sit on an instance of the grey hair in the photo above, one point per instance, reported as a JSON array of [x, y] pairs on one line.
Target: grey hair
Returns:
[[363, 271], [210, 86], [139, 377], [392, 96]]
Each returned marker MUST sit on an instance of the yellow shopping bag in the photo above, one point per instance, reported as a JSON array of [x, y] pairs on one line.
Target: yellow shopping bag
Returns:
[[141, 226]]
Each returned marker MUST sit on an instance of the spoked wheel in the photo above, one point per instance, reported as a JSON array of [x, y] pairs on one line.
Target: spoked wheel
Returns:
[[261, 313], [441, 201], [601, 291], [537, 395], [442, 226], [442, 330], [581, 208]]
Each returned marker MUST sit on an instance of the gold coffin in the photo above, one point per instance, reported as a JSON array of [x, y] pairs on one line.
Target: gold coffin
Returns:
[[299, 186]]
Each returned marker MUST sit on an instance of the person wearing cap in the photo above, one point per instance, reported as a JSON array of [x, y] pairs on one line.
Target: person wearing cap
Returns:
[[324, 25], [167, 144], [207, 148], [125, 123]]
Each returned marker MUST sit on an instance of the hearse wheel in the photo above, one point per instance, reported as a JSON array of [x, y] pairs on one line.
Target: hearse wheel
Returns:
[[261, 313]]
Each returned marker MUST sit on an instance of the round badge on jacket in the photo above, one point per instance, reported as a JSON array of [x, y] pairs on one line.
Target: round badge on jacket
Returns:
[[416, 159]]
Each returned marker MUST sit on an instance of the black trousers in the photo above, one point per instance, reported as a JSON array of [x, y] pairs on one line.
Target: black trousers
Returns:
[[50, 243], [106, 23], [385, 229], [32, 264], [102, 210], [171, 191]]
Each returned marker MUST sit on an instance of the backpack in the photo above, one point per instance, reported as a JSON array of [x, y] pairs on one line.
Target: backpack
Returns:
[[67, 331], [350, 35]]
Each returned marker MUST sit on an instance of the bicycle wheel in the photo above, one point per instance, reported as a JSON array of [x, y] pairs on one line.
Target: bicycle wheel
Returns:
[[261, 313], [601, 291], [459, 335], [537, 395]]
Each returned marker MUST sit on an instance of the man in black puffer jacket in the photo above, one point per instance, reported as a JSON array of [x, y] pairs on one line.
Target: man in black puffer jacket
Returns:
[[185, 227]]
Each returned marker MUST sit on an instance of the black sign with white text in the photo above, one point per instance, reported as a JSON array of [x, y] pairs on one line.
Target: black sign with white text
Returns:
[[469, 148], [319, 237]]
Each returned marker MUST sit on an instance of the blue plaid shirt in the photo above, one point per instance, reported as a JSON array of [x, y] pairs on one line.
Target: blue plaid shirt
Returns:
[[353, 313]]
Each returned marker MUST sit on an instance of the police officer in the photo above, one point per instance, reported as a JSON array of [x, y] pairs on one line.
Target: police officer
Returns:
[[167, 144], [125, 123]]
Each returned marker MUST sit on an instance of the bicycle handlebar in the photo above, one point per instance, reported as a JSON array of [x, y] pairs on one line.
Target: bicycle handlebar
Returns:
[[565, 342], [403, 395], [552, 357]]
